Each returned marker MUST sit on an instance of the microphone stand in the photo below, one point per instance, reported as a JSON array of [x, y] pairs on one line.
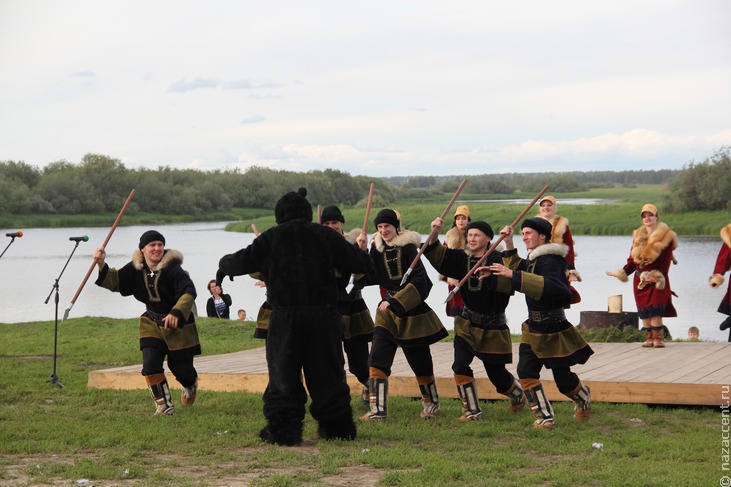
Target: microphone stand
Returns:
[[54, 378], [6, 248]]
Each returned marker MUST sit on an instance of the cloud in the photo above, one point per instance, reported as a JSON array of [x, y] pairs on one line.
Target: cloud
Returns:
[[254, 119], [84, 74], [194, 84], [248, 84]]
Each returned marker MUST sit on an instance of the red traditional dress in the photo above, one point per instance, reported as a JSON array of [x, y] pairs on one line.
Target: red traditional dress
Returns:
[[560, 233], [723, 264], [651, 255], [454, 239]]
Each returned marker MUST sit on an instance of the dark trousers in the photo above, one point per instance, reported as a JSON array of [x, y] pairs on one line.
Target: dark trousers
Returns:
[[180, 364], [305, 339], [496, 372], [383, 351], [529, 367], [356, 349]]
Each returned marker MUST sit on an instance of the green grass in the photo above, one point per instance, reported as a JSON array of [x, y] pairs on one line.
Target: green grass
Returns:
[[618, 217], [53, 436]]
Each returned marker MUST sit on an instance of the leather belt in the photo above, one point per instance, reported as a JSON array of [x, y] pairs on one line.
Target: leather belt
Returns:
[[483, 319], [548, 315]]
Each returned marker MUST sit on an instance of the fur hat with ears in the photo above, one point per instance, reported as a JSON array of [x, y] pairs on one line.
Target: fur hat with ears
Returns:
[[293, 206]]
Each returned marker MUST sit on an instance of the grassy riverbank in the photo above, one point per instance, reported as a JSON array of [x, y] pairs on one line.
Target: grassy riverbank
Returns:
[[618, 216], [55, 436]]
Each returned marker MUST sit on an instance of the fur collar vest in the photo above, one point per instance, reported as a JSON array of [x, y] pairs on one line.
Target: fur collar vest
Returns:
[[352, 236], [455, 238], [549, 249], [138, 260], [726, 235], [404, 238], [647, 248], [559, 224]]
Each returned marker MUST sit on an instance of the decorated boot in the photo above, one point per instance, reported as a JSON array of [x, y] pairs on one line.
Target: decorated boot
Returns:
[[160, 392], [515, 394], [582, 402], [657, 337], [429, 397], [649, 340], [378, 396], [467, 391], [539, 404]]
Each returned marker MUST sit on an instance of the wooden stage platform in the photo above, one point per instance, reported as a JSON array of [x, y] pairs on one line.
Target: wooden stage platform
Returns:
[[683, 373]]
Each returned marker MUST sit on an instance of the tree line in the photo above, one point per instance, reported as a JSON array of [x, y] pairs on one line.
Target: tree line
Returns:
[[98, 183]]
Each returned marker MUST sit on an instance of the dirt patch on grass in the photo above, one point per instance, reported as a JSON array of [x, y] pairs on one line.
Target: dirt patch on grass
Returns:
[[31, 472]]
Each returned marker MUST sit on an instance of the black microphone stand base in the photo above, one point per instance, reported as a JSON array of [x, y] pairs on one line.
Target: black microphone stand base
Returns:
[[54, 380]]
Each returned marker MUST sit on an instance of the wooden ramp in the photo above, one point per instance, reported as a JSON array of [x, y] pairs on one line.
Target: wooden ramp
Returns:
[[682, 373]]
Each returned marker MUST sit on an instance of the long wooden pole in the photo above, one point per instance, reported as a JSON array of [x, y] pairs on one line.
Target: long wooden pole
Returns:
[[368, 209], [433, 233], [93, 263], [495, 244], [255, 230]]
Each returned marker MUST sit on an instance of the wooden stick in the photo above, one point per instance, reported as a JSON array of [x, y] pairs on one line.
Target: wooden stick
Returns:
[[93, 263], [319, 214], [494, 245], [433, 233], [368, 209], [255, 230]]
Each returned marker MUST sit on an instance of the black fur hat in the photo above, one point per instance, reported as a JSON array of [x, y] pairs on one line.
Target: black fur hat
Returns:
[[539, 225], [150, 236], [293, 206], [387, 216], [332, 214], [484, 227]]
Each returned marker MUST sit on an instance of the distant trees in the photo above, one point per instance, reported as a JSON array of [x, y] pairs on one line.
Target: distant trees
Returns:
[[703, 186], [99, 184]]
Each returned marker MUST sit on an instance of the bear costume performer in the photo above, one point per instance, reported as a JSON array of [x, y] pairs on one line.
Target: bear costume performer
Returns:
[[298, 260]]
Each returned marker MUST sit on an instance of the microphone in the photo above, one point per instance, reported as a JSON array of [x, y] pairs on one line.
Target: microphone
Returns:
[[85, 238], [14, 234]]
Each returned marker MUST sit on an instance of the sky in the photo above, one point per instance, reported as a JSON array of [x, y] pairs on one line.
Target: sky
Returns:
[[378, 88]]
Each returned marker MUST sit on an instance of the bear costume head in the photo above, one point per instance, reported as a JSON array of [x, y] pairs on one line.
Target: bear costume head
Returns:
[[293, 206]]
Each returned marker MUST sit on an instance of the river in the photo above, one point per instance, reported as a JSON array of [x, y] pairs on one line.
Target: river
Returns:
[[30, 266]]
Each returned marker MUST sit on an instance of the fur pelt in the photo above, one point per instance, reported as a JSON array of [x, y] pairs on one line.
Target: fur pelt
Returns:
[[559, 249], [726, 235], [404, 238], [455, 238], [171, 255], [620, 274], [654, 274], [559, 224], [647, 248], [342, 428], [352, 236]]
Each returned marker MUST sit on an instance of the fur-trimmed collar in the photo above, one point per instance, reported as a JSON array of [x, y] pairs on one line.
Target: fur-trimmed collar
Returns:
[[170, 256], [647, 248], [726, 235], [404, 238], [549, 249], [455, 238]]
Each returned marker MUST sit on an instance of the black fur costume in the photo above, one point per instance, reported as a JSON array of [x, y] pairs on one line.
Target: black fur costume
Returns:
[[298, 259]]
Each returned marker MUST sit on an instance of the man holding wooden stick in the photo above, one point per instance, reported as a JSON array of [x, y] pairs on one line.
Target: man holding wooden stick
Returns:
[[167, 327], [403, 318], [481, 330], [548, 338]]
